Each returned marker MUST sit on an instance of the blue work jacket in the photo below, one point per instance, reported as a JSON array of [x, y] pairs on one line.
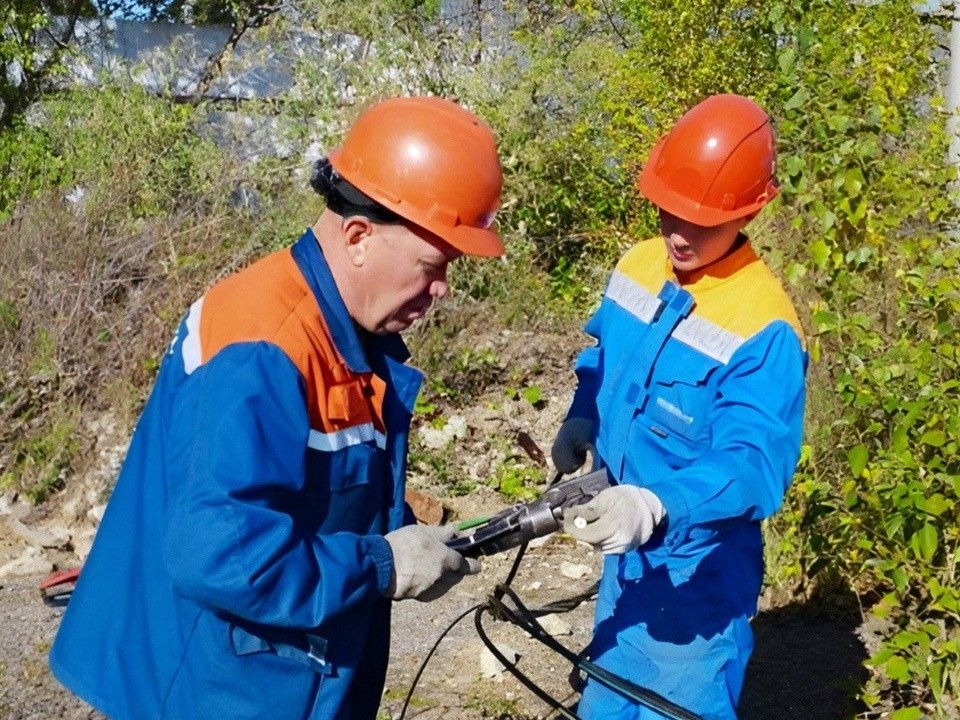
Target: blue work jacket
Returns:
[[240, 567], [697, 393]]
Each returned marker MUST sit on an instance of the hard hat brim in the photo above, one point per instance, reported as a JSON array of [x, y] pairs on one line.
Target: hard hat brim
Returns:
[[468, 239], [658, 193], [481, 242]]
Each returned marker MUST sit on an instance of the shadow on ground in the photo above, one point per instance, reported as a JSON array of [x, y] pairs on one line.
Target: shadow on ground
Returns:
[[805, 666]]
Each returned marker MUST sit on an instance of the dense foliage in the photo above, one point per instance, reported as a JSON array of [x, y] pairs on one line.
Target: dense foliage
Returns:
[[577, 93]]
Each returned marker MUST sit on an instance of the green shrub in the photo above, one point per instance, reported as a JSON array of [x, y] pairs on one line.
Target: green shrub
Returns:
[[91, 287]]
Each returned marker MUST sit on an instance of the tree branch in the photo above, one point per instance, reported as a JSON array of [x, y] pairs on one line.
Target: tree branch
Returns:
[[256, 17]]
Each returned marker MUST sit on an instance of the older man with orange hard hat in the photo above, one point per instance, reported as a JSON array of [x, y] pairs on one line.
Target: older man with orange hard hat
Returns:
[[693, 400], [257, 533]]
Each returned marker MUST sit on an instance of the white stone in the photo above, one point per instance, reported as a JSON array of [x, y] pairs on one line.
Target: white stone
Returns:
[[436, 438], [82, 542], [38, 537], [555, 625], [493, 669], [574, 571], [31, 562]]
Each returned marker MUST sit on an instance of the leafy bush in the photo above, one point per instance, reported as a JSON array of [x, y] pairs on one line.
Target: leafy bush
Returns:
[[115, 216], [866, 192]]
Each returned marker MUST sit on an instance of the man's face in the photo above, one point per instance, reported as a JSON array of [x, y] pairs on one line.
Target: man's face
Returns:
[[404, 269], [691, 247]]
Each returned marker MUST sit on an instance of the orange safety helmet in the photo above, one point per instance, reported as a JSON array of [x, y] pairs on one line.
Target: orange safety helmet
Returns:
[[431, 162], [715, 165]]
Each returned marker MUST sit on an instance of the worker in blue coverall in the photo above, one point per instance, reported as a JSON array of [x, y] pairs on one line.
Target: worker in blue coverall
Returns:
[[693, 399], [257, 533]]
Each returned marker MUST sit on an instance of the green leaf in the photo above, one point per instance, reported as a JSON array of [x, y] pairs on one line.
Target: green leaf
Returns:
[[788, 57], [936, 504], [908, 713], [934, 438], [797, 101], [925, 540], [793, 165], [935, 673], [826, 321], [898, 670], [899, 578], [853, 182], [857, 457], [827, 220], [795, 272], [532, 394], [820, 253]]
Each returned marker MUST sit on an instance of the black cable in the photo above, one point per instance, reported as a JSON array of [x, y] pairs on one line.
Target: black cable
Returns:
[[461, 616], [497, 593], [511, 666], [525, 619], [423, 665]]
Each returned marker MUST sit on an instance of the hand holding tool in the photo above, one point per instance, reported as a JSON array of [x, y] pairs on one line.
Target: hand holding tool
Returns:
[[619, 519], [524, 522], [424, 567]]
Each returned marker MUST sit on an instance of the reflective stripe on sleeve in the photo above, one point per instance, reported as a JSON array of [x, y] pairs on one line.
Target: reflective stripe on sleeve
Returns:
[[192, 353]]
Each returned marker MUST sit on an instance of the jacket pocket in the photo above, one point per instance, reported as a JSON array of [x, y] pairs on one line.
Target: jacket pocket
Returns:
[[676, 412], [354, 466], [302, 648], [354, 462], [241, 671], [349, 490]]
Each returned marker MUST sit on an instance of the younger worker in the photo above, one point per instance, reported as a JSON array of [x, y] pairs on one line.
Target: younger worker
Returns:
[[693, 399], [247, 559]]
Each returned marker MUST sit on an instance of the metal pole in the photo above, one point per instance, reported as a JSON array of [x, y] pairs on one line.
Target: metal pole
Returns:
[[953, 89]]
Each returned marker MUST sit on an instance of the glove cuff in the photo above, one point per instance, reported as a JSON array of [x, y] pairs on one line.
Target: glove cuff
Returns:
[[379, 550]]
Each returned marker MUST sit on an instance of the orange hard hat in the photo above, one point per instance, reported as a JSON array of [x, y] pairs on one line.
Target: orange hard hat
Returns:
[[431, 162], [715, 165]]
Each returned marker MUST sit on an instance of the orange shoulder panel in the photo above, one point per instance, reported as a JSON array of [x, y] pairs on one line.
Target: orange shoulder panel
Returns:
[[270, 301]]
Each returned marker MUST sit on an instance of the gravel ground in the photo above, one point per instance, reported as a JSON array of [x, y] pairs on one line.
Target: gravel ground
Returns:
[[803, 667]]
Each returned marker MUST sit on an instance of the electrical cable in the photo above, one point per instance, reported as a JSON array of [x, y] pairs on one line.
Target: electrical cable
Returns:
[[512, 667], [526, 619], [423, 665]]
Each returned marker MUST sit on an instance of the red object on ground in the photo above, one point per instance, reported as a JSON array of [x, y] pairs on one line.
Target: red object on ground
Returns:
[[50, 589]]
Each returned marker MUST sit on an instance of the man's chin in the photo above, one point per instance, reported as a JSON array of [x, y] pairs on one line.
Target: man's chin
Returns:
[[395, 326]]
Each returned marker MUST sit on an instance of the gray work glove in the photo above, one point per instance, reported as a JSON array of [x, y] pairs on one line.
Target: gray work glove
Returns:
[[423, 566], [618, 519], [569, 450]]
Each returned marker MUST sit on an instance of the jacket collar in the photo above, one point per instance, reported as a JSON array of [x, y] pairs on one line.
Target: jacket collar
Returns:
[[740, 256], [351, 341]]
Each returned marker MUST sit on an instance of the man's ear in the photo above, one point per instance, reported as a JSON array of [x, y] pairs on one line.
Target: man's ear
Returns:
[[356, 230]]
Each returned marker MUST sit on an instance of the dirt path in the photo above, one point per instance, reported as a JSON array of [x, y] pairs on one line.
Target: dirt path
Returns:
[[802, 668]]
